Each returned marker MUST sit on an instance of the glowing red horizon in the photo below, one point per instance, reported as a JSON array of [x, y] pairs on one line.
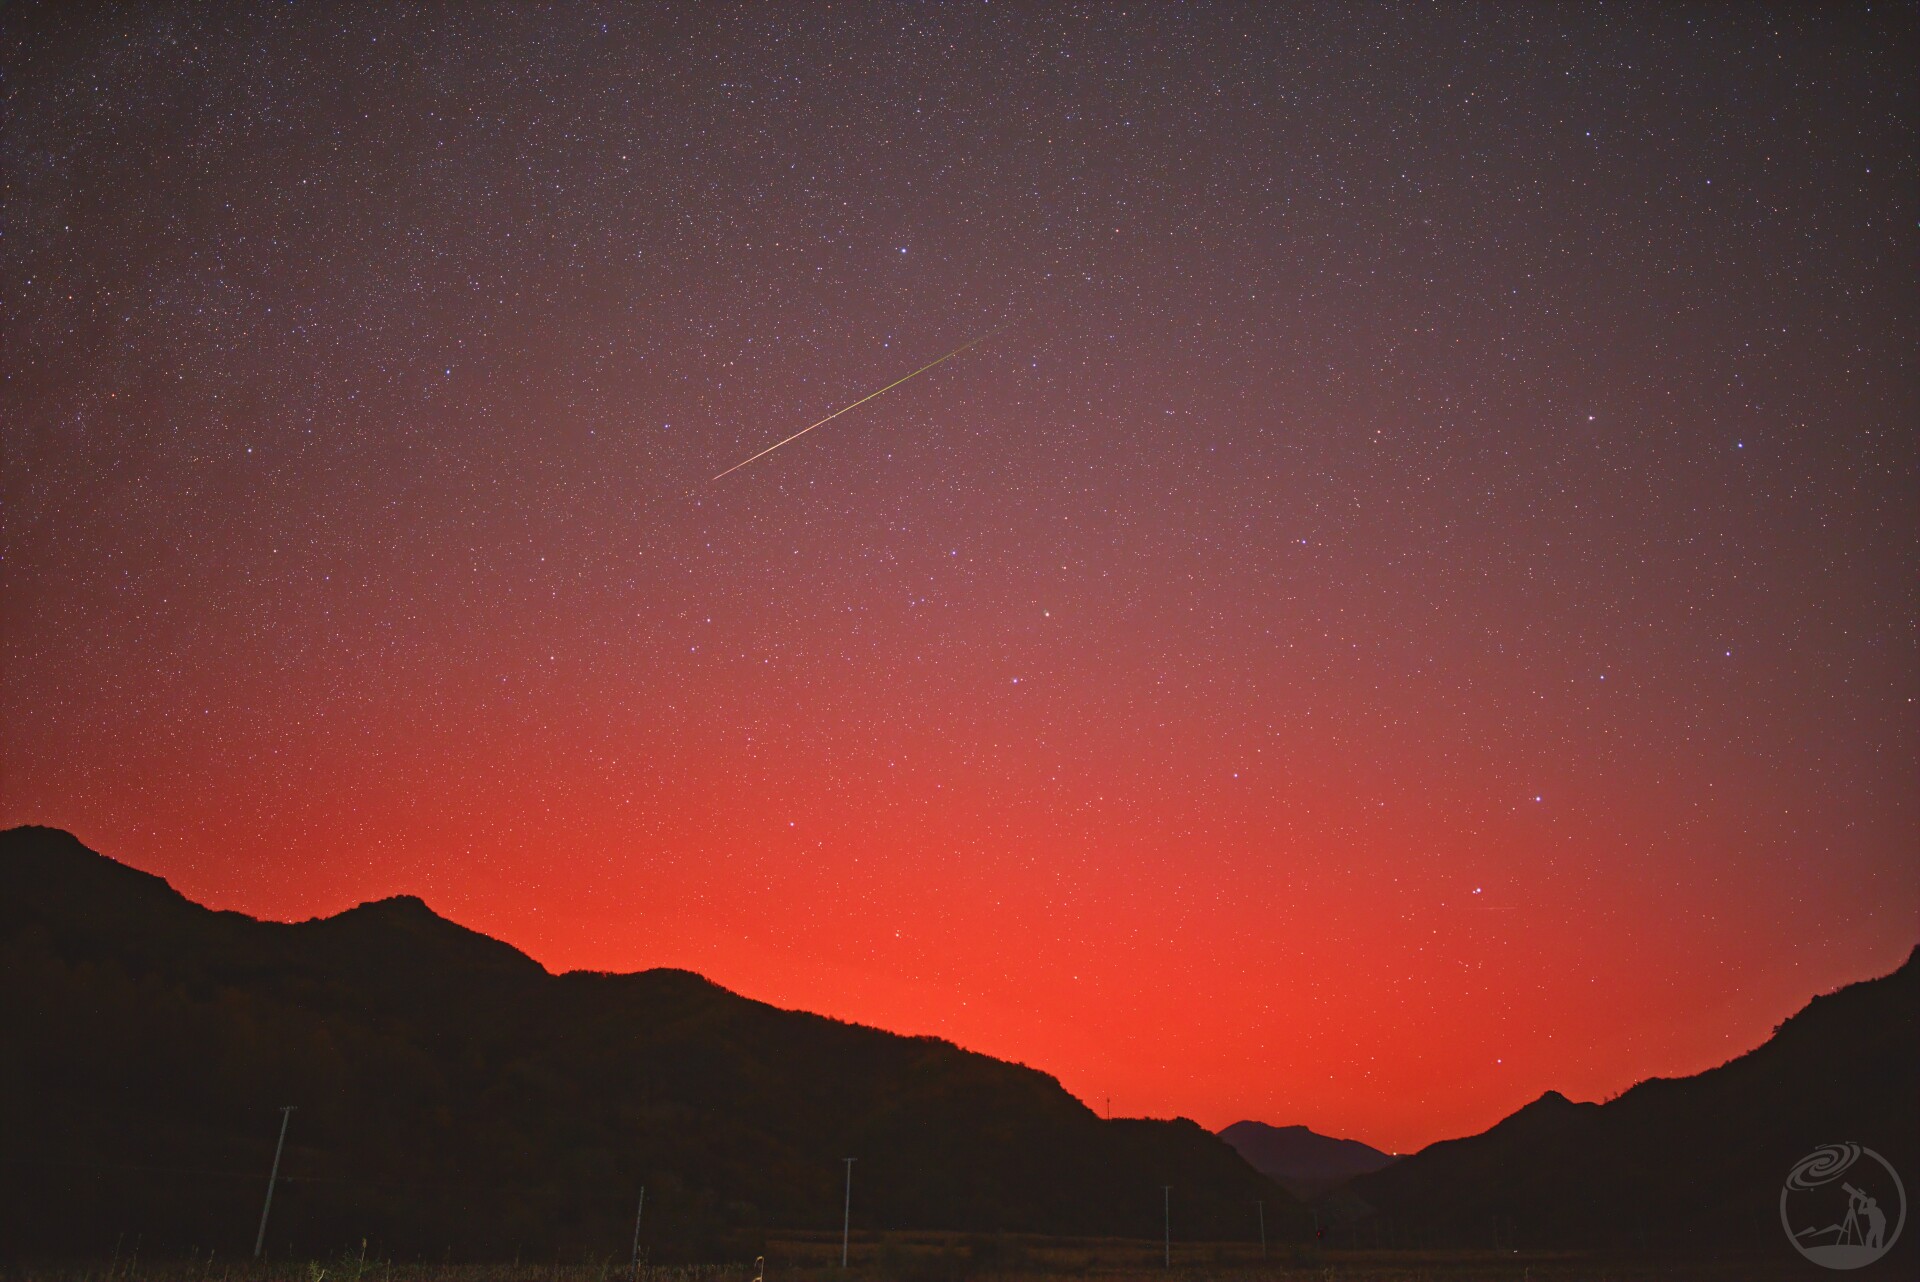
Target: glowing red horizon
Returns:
[[1172, 999]]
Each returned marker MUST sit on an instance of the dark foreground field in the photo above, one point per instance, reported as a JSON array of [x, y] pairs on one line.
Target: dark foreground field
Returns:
[[939, 1257]]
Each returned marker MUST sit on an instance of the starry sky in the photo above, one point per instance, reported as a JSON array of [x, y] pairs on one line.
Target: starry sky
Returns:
[[1414, 605]]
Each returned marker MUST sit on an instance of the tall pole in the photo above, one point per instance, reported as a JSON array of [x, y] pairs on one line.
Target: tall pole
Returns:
[[260, 1239], [634, 1268], [846, 1216], [1166, 1197], [1263, 1229]]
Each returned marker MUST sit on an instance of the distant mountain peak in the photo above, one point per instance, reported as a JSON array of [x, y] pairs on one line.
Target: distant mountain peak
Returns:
[[396, 905], [1296, 1152]]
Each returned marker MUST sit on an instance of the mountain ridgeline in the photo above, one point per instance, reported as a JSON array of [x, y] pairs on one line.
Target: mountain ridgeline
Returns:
[[1680, 1163], [455, 1099]]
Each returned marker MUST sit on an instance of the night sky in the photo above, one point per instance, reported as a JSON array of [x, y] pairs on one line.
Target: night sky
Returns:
[[1416, 606]]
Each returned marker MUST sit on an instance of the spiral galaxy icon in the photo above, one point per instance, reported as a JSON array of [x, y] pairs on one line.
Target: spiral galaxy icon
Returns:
[[1822, 1166]]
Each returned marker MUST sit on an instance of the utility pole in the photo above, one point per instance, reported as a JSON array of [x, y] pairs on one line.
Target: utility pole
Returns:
[[260, 1239], [1263, 1228], [846, 1216], [634, 1269], [1166, 1199]]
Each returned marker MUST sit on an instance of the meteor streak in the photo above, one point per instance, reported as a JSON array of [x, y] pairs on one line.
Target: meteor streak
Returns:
[[857, 404]]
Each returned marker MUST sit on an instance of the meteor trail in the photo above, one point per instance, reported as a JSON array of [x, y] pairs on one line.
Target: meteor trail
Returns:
[[857, 404]]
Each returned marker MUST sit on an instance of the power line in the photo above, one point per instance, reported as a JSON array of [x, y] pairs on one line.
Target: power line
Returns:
[[260, 1241], [637, 1213], [846, 1218]]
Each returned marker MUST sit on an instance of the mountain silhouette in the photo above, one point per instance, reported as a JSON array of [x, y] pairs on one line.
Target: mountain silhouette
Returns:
[[1301, 1160], [1677, 1162], [454, 1099]]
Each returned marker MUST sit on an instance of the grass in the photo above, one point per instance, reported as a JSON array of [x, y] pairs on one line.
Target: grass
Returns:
[[949, 1257]]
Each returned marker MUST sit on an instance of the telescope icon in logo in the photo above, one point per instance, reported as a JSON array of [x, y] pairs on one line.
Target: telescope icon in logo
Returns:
[[1849, 1233]]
